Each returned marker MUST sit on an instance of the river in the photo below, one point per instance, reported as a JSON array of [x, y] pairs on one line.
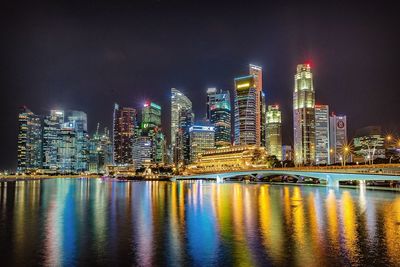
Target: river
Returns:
[[92, 222]]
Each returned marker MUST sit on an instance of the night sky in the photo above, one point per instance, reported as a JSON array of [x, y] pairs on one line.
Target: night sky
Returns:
[[88, 56]]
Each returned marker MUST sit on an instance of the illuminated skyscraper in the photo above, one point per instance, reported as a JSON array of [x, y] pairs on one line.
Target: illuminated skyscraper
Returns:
[[151, 115], [246, 111], [337, 136], [178, 101], [78, 121], [51, 132], [263, 120], [142, 151], [304, 116], [67, 153], [219, 115], [124, 123], [322, 134], [369, 144], [201, 139], [182, 148], [256, 72], [29, 141], [274, 131]]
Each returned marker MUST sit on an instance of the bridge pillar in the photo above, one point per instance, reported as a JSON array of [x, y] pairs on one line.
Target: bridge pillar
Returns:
[[362, 184], [219, 179], [331, 182]]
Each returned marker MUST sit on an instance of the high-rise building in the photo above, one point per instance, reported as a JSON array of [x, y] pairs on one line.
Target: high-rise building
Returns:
[[124, 123], [338, 137], [78, 121], [29, 141], [151, 115], [322, 134], [369, 144], [182, 148], [178, 101], [201, 139], [219, 115], [246, 111], [304, 116], [256, 72], [100, 151], [142, 151], [263, 120], [274, 131], [159, 148], [51, 133], [67, 149]]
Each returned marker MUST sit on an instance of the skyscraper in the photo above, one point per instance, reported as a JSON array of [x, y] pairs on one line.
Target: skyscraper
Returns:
[[263, 120], [201, 139], [78, 121], [304, 116], [178, 101], [51, 133], [246, 111], [151, 115], [337, 136], [219, 115], [274, 131], [67, 149], [124, 123], [29, 141], [142, 151], [256, 72], [182, 148], [322, 134]]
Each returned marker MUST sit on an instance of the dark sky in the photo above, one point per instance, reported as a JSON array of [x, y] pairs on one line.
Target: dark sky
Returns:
[[86, 56]]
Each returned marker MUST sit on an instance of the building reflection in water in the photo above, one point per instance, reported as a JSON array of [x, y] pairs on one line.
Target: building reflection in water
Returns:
[[95, 222]]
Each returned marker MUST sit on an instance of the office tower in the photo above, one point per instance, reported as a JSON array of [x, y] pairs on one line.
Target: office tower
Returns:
[[29, 141], [256, 72], [201, 139], [219, 115], [369, 144], [263, 120], [78, 121], [151, 115], [100, 151], [178, 101], [274, 131], [159, 145], [182, 148], [245, 111], [67, 149], [304, 116], [322, 134], [338, 137], [142, 151], [124, 123], [51, 132]]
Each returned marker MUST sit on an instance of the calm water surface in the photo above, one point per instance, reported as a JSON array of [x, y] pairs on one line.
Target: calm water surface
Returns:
[[93, 222]]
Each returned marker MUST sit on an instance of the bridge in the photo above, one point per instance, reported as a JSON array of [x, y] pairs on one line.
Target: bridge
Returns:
[[331, 177]]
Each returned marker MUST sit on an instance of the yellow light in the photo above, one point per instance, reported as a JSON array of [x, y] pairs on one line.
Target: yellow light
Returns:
[[389, 137], [243, 85]]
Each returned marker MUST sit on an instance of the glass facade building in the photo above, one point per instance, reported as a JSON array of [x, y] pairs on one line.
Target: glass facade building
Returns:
[[51, 133], [201, 139], [245, 111], [182, 148], [322, 134], [304, 116], [274, 131], [369, 144], [219, 115], [178, 101], [256, 72], [124, 123], [29, 141], [151, 116]]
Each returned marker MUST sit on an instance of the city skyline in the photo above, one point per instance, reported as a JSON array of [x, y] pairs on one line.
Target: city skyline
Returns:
[[70, 81]]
